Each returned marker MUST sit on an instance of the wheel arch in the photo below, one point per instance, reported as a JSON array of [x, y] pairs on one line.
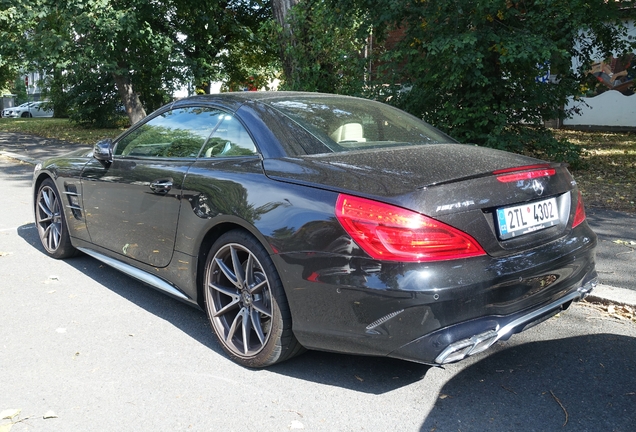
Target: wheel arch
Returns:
[[211, 236]]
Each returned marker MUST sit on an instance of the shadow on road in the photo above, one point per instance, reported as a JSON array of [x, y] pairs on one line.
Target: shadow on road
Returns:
[[18, 172], [588, 380], [360, 373], [374, 375]]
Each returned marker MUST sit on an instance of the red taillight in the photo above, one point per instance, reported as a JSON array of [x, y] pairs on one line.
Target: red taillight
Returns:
[[527, 172], [579, 215], [392, 233]]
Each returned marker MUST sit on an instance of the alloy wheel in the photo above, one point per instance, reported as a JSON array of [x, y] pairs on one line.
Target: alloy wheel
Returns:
[[239, 300], [49, 218]]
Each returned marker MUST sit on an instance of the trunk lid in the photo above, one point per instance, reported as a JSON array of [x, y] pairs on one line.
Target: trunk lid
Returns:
[[453, 183], [390, 172]]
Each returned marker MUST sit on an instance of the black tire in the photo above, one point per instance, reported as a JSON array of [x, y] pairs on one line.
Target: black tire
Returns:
[[50, 221], [246, 303], [26, 114]]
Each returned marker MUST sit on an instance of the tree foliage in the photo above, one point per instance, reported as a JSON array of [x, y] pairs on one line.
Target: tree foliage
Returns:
[[142, 50], [221, 35], [250, 63], [470, 67], [322, 48], [11, 59]]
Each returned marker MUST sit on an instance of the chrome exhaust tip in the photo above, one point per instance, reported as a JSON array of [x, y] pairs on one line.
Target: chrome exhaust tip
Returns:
[[467, 347]]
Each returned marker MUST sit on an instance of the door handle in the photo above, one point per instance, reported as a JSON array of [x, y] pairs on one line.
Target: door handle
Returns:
[[161, 186]]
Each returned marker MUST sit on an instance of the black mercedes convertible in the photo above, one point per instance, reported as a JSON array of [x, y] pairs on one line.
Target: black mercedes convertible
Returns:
[[313, 221]]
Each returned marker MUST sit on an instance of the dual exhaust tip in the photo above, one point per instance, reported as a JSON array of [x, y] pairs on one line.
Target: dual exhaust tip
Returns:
[[480, 342]]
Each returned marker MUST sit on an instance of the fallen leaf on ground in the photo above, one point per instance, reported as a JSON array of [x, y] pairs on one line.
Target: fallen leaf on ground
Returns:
[[51, 279], [9, 413], [615, 311], [625, 242]]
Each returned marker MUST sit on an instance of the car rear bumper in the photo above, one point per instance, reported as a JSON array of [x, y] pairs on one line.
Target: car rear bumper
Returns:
[[462, 340], [416, 311]]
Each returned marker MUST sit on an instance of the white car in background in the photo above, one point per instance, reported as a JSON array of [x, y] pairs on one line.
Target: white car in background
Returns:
[[29, 109], [9, 111]]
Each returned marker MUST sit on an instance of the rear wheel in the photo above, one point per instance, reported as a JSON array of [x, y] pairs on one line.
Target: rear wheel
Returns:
[[51, 222], [246, 303]]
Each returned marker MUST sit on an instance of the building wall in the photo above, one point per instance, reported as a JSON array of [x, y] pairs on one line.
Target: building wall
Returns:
[[609, 109]]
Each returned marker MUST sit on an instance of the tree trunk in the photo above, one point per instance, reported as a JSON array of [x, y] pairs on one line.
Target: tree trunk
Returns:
[[281, 9], [129, 98]]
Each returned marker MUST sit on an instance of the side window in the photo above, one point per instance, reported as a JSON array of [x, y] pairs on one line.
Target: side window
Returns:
[[176, 133], [229, 139]]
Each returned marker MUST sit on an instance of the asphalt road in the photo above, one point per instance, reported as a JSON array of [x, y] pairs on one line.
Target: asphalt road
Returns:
[[616, 250], [93, 350]]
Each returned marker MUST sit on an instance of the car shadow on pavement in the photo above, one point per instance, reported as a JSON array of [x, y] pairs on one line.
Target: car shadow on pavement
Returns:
[[374, 375], [587, 381], [360, 373]]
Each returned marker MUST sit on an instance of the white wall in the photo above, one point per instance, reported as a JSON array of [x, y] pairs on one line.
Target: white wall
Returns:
[[611, 108]]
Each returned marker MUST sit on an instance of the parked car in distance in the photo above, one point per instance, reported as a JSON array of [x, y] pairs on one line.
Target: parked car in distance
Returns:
[[8, 112], [29, 109], [313, 221]]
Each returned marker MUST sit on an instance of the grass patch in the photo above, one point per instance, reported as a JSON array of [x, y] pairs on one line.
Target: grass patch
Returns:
[[57, 128], [608, 179]]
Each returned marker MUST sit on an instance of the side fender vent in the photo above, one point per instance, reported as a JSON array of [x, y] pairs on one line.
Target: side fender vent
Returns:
[[74, 202]]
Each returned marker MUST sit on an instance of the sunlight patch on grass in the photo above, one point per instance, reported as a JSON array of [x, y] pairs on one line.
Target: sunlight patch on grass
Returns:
[[609, 176]]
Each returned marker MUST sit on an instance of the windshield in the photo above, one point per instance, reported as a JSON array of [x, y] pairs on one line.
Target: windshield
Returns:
[[344, 123]]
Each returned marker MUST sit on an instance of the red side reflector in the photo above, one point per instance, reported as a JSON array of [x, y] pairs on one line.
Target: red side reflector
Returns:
[[527, 172], [579, 215], [392, 233]]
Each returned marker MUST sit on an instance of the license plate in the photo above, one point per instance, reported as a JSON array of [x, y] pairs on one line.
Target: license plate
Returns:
[[527, 218]]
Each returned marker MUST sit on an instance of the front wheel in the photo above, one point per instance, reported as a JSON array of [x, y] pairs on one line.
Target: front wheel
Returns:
[[51, 222], [246, 303]]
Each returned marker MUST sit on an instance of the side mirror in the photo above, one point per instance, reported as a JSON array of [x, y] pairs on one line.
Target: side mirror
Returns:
[[103, 151]]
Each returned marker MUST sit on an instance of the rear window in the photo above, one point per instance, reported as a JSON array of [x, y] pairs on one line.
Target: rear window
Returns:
[[344, 123]]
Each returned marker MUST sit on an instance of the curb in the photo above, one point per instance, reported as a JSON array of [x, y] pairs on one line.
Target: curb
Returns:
[[613, 295], [600, 294]]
